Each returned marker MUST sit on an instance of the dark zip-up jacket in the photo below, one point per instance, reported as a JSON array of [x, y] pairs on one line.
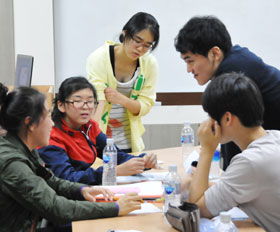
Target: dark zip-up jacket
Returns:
[[71, 153], [266, 77], [29, 192]]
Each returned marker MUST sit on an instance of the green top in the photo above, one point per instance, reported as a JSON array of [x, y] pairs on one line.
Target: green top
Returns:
[[28, 191]]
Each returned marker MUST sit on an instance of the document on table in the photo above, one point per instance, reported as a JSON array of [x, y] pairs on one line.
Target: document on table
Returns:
[[194, 156], [146, 208], [151, 176], [237, 214], [147, 190]]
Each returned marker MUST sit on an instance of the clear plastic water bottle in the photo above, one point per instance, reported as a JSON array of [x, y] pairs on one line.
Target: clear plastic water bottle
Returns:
[[109, 163], [215, 166], [225, 224], [172, 188], [187, 140]]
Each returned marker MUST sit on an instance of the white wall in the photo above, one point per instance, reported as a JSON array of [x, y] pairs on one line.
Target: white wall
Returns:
[[33, 25], [175, 115], [7, 58], [82, 26]]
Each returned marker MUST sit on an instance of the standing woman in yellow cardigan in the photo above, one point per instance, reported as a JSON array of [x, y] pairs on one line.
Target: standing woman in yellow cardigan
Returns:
[[125, 75]]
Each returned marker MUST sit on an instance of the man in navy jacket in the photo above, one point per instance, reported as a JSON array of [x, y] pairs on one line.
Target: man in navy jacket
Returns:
[[205, 45]]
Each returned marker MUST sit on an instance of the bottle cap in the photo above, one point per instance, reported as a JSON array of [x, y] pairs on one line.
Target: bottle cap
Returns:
[[225, 217], [216, 156], [110, 141], [172, 168], [187, 123]]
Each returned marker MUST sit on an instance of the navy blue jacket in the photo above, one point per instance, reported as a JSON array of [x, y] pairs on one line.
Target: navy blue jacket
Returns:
[[71, 153], [266, 77]]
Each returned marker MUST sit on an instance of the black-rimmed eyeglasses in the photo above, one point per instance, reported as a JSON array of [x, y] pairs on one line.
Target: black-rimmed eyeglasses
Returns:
[[80, 104], [138, 44]]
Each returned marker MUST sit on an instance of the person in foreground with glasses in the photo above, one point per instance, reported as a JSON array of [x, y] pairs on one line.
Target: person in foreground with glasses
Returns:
[[28, 190], [251, 181], [76, 140], [125, 75]]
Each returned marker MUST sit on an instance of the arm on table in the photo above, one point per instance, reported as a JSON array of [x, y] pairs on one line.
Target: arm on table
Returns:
[[209, 136]]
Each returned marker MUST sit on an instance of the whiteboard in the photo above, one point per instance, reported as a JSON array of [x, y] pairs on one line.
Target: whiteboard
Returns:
[[81, 26]]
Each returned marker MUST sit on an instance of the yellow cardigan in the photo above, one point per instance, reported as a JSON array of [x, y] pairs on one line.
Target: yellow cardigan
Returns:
[[100, 74]]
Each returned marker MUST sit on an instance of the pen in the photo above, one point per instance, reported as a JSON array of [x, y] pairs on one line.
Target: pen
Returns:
[[117, 198], [160, 199]]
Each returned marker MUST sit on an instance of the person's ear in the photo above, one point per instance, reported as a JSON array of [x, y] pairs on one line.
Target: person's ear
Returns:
[[61, 106], [216, 54], [123, 33], [228, 118], [27, 121]]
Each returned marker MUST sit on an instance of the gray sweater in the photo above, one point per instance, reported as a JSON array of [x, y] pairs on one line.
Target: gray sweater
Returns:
[[252, 182]]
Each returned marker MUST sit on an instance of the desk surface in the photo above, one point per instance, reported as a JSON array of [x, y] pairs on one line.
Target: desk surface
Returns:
[[149, 222]]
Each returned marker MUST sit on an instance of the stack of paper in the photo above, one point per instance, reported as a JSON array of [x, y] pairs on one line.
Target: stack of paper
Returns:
[[151, 176], [147, 190]]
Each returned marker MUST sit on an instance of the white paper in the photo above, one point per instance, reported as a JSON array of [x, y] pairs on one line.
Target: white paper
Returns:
[[237, 214], [194, 156], [129, 179], [148, 189], [151, 176], [146, 208]]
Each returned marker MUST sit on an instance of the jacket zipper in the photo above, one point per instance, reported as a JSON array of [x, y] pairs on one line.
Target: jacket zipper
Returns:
[[34, 224], [90, 143]]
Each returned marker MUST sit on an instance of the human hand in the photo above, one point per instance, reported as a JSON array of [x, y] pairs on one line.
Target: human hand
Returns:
[[90, 192], [113, 96], [131, 167], [3, 132], [128, 203], [150, 160], [209, 135]]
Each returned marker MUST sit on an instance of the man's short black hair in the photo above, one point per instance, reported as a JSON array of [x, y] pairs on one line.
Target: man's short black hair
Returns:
[[200, 34], [237, 94]]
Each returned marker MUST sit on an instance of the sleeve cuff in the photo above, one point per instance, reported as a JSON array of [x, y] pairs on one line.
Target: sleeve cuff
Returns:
[[81, 190], [118, 208], [142, 155]]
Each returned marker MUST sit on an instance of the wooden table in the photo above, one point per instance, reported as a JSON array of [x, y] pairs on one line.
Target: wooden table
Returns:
[[149, 222]]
